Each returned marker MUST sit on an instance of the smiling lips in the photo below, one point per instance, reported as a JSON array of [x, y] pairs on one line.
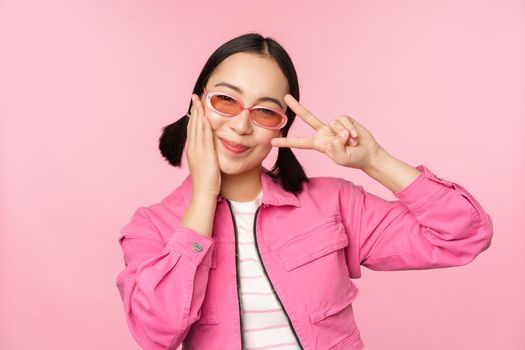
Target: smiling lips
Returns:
[[234, 147]]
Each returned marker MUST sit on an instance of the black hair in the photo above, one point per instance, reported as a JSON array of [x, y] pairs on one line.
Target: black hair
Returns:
[[287, 171]]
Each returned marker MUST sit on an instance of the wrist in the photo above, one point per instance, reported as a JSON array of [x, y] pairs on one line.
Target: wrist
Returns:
[[203, 197], [376, 159]]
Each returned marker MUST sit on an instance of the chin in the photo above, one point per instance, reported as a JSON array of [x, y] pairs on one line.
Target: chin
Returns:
[[230, 167]]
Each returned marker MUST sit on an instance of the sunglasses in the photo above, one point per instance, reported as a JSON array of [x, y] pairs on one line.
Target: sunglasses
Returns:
[[229, 106]]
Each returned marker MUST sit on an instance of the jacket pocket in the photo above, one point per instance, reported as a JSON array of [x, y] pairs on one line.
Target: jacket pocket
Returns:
[[316, 266], [326, 238], [336, 326], [335, 308], [314, 261]]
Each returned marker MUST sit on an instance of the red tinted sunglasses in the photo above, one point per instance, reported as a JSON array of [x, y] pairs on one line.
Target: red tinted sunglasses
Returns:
[[229, 106]]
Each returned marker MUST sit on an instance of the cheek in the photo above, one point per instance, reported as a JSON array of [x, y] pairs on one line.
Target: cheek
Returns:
[[214, 122], [268, 137], [263, 139]]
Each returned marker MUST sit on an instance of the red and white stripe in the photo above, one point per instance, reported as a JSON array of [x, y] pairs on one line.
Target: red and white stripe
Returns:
[[264, 323]]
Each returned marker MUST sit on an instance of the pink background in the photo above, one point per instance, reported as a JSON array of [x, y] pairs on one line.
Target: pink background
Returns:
[[85, 87]]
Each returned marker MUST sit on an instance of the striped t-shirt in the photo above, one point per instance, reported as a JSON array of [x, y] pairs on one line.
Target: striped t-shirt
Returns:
[[265, 326]]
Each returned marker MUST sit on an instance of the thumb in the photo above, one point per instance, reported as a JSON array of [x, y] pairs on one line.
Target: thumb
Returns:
[[338, 150]]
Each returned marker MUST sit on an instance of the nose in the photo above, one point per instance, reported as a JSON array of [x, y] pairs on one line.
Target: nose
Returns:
[[241, 122]]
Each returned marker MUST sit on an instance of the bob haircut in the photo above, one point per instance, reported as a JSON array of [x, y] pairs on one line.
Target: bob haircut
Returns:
[[287, 171]]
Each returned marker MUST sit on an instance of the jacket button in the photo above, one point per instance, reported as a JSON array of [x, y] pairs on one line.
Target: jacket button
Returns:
[[197, 246]]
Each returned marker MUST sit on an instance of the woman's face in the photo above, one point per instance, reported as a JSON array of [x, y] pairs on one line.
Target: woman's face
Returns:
[[255, 77]]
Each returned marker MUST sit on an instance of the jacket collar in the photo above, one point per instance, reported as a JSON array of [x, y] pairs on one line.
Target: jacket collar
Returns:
[[273, 193]]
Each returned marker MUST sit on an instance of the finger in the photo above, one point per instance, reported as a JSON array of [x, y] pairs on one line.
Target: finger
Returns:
[[343, 136], [302, 112], [199, 121], [339, 129], [189, 131], [350, 124], [193, 130], [338, 151], [208, 131], [208, 135], [296, 142]]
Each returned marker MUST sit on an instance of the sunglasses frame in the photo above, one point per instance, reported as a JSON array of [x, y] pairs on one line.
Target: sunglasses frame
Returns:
[[209, 95]]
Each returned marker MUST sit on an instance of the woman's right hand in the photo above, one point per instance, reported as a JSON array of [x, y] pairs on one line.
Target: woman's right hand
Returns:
[[201, 154]]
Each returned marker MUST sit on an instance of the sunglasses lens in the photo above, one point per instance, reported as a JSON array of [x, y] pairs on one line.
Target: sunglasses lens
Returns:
[[267, 117], [225, 104], [230, 106]]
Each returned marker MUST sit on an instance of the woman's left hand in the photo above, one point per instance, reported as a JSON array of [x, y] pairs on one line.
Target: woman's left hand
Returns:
[[356, 148]]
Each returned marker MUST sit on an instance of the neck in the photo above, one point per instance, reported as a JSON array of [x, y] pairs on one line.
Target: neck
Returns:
[[242, 187]]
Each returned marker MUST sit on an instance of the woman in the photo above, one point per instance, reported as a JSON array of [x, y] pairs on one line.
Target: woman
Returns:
[[240, 257]]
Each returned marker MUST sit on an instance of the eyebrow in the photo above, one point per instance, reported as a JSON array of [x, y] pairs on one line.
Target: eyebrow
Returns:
[[239, 90]]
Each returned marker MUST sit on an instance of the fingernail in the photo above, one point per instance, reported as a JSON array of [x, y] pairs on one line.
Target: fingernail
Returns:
[[343, 133], [354, 133]]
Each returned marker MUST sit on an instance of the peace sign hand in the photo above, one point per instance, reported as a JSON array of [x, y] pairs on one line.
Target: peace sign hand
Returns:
[[344, 140]]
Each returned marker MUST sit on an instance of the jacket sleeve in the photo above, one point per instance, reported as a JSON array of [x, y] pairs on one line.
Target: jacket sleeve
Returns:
[[163, 283], [434, 223]]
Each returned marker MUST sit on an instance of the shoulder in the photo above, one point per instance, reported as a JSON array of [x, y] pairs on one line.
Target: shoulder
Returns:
[[327, 183], [327, 188], [164, 213]]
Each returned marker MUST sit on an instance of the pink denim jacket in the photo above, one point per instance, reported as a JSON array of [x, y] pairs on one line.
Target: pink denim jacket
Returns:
[[181, 287]]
